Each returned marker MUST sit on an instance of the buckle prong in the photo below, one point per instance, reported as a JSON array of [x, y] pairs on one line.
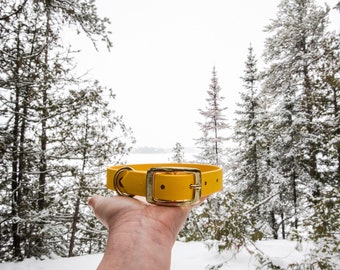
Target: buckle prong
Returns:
[[196, 186]]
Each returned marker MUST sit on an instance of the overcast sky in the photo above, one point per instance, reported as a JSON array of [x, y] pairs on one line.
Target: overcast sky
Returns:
[[162, 57]]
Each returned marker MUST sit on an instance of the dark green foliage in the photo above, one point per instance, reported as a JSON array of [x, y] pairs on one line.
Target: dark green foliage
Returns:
[[323, 231], [223, 221]]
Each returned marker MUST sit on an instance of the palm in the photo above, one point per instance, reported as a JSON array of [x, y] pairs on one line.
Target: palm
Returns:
[[118, 210]]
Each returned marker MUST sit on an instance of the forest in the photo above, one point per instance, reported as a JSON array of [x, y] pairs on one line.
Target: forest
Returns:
[[59, 131]]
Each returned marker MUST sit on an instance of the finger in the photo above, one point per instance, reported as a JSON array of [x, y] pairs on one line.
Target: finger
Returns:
[[93, 201], [101, 207]]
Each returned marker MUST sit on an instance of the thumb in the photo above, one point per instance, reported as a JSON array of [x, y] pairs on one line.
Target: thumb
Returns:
[[92, 202]]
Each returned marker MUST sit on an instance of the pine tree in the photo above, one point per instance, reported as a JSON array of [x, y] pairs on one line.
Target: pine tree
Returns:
[[323, 230], [328, 87], [211, 143], [250, 173], [19, 68], [96, 137], [40, 93], [302, 87], [222, 217], [247, 134], [293, 53], [178, 153]]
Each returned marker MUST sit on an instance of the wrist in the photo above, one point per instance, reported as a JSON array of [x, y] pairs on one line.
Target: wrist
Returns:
[[139, 243]]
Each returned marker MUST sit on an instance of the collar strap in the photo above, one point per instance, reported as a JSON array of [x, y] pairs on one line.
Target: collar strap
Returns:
[[174, 184]]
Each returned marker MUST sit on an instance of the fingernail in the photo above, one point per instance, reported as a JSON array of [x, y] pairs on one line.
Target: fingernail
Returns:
[[90, 202]]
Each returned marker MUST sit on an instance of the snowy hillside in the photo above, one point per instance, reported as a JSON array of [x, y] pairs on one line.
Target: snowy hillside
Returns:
[[193, 255]]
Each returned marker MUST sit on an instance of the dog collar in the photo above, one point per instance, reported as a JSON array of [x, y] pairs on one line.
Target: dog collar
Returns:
[[173, 184]]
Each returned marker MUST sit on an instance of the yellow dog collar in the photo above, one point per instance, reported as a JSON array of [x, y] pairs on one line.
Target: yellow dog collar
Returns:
[[174, 184]]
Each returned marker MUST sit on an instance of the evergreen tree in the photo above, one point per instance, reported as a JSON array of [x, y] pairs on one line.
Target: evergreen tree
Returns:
[[250, 173], [293, 53], [211, 143], [40, 100], [19, 68], [248, 134], [302, 87], [178, 153], [222, 217], [96, 138], [328, 87], [322, 227], [223, 222]]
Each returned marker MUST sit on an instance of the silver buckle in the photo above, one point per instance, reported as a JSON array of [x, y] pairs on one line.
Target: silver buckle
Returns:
[[196, 187]]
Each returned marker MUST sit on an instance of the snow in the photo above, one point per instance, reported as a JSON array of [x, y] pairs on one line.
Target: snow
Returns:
[[190, 255]]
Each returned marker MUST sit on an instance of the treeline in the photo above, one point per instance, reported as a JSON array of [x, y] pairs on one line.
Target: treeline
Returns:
[[58, 131], [282, 179]]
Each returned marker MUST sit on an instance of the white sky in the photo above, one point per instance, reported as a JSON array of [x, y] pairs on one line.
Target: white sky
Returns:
[[162, 57]]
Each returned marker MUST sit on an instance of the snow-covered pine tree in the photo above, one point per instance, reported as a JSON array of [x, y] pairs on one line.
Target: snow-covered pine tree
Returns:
[[211, 142], [323, 223], [178, 153], [93, 140], [211, 152], [247, 135], [205, 154], [250, 170], [223, 218], [322, 228], [328, 88], [36, 79], [293, 53]]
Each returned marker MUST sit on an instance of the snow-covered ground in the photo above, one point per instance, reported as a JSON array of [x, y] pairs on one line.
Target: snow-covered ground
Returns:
[[192, 255]]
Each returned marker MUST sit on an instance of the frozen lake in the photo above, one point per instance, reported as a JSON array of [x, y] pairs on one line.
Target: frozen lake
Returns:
[[137, 158]]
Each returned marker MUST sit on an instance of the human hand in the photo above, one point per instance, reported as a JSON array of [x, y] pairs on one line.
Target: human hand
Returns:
[[141, 235]]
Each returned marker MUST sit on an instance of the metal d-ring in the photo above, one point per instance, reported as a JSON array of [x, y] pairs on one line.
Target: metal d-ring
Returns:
[[117, 181]]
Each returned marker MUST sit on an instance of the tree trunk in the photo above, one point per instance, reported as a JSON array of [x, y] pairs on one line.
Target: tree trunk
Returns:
[[283, 226], [74, 226], [273, 224], [295, 199], [16, 185], [336, 114], [15, 178]]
